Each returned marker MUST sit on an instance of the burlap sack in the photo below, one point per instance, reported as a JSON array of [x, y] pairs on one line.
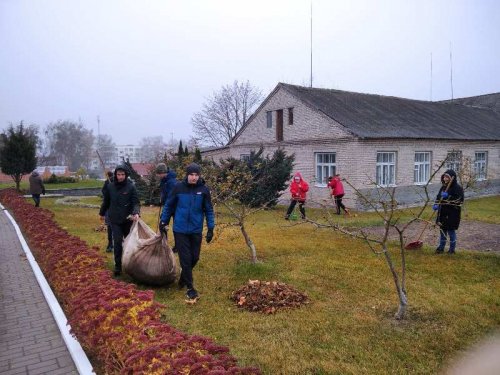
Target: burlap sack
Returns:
[[147, 256]]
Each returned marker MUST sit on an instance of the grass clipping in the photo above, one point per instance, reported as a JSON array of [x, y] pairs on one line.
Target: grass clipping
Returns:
[[268, 296]]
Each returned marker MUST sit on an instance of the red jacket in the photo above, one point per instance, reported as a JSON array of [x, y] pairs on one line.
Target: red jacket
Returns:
[[336, 185], [299, 189]]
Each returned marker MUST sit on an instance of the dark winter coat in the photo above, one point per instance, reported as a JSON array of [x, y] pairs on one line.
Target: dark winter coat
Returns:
[[299, 189], [120, 200], [450, 208], [190, 204], [36, 184], [167, 183]]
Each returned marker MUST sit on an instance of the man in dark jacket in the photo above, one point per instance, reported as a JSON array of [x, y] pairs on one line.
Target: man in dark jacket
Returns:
[[167, 181], [121, 201], [36, 187], [190, 202], [109, 230], [448, 201]]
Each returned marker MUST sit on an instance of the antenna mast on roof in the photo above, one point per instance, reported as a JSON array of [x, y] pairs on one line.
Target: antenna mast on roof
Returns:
[[311, 84], [451, 73], [431, 79]]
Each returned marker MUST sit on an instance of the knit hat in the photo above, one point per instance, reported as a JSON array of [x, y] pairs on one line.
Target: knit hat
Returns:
[[193, 168], [161, 168]]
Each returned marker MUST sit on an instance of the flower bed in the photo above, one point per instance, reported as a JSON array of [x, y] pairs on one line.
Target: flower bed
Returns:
[[116, 323]]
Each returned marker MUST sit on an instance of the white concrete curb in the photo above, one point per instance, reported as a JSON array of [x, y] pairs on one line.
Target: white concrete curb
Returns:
[[82, 363]]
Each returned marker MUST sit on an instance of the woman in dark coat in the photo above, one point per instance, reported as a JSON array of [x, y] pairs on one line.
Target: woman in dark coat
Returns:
[[448, 205]]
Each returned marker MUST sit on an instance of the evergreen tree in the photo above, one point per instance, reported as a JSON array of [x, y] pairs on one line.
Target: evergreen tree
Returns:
[[18, 152], [141, 185], [269, 178], [197, 155], [180, 150], [186, 151]]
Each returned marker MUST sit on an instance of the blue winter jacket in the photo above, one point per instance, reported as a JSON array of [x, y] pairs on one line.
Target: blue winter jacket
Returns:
[[167, 183], [189, 204]]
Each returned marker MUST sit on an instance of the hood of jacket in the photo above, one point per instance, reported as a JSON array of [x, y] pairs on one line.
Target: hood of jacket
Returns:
[[297, 174], [452, 174], [170, 175]]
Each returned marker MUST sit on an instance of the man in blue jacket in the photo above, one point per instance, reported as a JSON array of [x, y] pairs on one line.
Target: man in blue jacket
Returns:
[[190, 203], [167, 181]]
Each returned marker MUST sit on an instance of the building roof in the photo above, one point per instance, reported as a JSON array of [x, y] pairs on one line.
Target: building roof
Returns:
[[491, 101], [377, 116], [142, 169]]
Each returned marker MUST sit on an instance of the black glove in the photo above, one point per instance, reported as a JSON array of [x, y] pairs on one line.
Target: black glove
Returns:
[[43, 191], [210, 235], [163, 228]]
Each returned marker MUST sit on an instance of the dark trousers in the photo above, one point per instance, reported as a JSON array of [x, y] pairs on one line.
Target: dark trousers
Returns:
[[120, 231], [338, 203], [188, 247], [110, 236], [292, 206], [36, 198], [443, 236]]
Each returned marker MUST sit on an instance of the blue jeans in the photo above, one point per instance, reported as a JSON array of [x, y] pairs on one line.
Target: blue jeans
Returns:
[[443, 234]]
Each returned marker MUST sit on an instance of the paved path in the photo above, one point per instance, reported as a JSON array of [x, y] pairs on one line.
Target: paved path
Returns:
[[30, 341]]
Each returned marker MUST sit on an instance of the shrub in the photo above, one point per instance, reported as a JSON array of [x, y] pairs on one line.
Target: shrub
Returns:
[[54, 179], [115, 322]]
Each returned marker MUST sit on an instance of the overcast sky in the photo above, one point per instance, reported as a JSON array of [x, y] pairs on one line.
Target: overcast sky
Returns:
[[144, 67]]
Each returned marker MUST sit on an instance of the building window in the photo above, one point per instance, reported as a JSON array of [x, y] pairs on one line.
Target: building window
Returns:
[[269, 119], [290, 116], [454, 160], [245, 157], [386, 168], [279, 125], [422, 171], [480, 162], [325, 167]]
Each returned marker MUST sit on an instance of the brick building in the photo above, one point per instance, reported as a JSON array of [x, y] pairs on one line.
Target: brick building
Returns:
[[372, 139]]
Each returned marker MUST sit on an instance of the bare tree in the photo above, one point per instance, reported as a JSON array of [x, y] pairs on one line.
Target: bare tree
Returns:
[[383, 202], [225, 113], [70, 144], [152, 148], [106, 148]]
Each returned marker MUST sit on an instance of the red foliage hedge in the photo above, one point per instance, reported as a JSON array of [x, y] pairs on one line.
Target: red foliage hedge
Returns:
[[115, 322]]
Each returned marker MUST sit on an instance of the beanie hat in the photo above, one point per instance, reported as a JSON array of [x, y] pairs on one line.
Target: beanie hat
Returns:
[[161, 168], [193, 168]]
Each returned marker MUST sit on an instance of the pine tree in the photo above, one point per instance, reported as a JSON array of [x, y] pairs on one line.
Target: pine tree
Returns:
[[186, 151], [180, 150], [18, 152], [197, 155], [141, 185]]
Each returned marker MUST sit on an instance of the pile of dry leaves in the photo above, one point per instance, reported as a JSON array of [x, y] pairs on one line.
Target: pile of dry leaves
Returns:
[[268, 296]]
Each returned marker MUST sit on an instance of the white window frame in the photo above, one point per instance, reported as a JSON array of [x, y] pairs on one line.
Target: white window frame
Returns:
[[481, 166], [455, 161], [325, 166], [422, 168], [385, 173]]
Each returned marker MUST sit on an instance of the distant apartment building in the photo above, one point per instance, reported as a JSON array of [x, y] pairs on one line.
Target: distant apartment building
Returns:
[[120, 153]]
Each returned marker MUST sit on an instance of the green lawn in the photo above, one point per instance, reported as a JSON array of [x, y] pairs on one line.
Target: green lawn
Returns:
[[348, 327]]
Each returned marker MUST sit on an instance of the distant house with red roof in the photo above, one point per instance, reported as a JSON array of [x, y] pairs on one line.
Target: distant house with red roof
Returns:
[[142, 169]]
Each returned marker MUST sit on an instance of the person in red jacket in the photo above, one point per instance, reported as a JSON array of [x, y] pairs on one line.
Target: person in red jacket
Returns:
[[298, 189], [337, 187]]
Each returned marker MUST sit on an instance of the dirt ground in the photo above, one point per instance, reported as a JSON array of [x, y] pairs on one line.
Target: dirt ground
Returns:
[[471, 235]]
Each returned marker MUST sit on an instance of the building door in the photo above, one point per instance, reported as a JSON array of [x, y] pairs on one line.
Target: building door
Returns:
[[279, 125]]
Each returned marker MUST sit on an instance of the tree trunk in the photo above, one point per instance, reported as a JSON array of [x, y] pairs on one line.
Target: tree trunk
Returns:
[[403, 300], [17, 180], [249, 243]]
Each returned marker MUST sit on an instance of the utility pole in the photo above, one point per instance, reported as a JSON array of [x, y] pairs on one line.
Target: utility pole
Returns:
[[311, 84]]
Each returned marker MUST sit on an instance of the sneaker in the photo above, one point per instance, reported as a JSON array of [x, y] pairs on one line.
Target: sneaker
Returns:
[[117, 272], [287, 218], [192, 294], [451, 251], [439, 250], [109, 249]]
